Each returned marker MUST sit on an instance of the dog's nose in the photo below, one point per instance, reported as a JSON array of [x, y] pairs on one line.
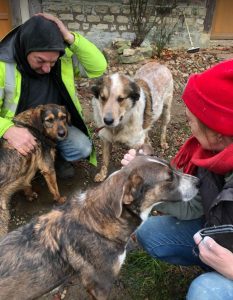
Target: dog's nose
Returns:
[[108, 120], [61, 133]]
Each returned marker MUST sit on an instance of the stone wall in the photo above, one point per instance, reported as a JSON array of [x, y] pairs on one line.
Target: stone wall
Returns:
[[104, 21]]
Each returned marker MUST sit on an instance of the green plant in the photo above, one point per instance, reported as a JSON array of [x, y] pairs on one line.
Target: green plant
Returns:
[[163, 33], [146, 15], [147, 278], [139, 17]]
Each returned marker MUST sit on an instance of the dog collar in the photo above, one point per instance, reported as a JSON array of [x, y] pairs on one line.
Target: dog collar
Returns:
[[97, 130]]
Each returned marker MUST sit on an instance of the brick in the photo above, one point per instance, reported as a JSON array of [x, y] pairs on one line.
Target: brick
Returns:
[[93, 19], [66, 17], [108, 18], [122, 19]]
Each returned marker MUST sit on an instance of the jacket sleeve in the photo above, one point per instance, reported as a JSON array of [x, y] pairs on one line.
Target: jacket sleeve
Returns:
[[192, 209], [4, 122], [4, 125], [221, 209], [90, 60]]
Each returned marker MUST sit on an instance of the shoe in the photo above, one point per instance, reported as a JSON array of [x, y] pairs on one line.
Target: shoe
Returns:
[[64, 169]]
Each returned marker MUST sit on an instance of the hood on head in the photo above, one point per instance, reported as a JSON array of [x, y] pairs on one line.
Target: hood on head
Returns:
[[37, 34]]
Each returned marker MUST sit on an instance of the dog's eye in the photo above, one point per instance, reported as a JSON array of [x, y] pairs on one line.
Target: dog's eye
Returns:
[[120, 99], [62, 118], [50, 120], [103, 98]]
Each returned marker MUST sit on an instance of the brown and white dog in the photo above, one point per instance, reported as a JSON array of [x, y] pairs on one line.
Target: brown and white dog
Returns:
[[125, 109], [86, 237]]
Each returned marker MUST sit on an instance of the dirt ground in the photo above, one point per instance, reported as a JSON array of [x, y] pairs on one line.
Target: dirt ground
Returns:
[[181, 65]]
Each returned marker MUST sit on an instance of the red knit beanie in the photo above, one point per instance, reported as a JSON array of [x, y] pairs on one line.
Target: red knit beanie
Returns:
[[209, 96]]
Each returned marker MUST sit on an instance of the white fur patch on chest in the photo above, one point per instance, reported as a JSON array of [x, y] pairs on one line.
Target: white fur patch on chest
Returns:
[[121, 258], [82, 197], [119, 262]]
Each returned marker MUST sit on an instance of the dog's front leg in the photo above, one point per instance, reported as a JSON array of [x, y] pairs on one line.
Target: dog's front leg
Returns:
[[96, 290], [4, 217], [29, 193], [166, 116], [96, 296], [106, 152], [50, 177]]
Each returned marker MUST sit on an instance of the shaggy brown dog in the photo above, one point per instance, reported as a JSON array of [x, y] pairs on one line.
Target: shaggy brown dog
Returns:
[[87, 236], [125, 108], [48, 123]]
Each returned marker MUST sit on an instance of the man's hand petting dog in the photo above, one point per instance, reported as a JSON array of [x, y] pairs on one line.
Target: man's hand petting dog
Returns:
[[20, 139]]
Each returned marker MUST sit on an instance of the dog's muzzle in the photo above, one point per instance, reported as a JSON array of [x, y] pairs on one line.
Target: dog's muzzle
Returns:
[[108, 119], [61, 134]]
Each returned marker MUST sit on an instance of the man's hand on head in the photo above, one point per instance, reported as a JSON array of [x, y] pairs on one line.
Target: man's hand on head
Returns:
[[67, 35]]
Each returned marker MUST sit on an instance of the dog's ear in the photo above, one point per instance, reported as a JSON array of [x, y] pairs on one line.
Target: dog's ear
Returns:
[[37, 117], [132, 189], [134, 91], [96, 88], [68, 116]]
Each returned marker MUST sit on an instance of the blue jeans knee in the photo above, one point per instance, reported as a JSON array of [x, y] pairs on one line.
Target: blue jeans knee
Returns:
[[210, 286], [169, 239], [76, 146]]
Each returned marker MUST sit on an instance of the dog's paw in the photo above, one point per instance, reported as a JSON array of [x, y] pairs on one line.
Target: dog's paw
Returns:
[[99, 177], [32, 196], [61, 200]]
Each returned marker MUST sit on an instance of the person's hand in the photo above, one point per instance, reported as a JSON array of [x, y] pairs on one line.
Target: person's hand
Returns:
[[215, 256], [20, 139], [128, 157], [67, 35]]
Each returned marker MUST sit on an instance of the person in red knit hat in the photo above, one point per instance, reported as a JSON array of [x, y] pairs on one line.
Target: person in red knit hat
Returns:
[[208, 154]]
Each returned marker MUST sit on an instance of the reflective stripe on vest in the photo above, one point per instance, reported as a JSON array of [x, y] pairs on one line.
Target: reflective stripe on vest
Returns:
[[1, 93], [10, 87]]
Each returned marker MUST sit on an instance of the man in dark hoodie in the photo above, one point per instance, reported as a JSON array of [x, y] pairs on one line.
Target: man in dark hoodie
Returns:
[[39, 62]]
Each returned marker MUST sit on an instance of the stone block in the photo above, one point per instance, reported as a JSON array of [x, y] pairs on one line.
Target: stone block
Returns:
[[115, 9], [66, 17], [80, 18], [122, 19], [108, 18], [93, 19], [73, 26], [101, 9], [130, 59], [100, 26], [129, 52]]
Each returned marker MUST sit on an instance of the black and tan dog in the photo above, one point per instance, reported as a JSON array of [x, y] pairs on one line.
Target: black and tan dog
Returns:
[[125, 108], [48, 123], [87, 236]]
